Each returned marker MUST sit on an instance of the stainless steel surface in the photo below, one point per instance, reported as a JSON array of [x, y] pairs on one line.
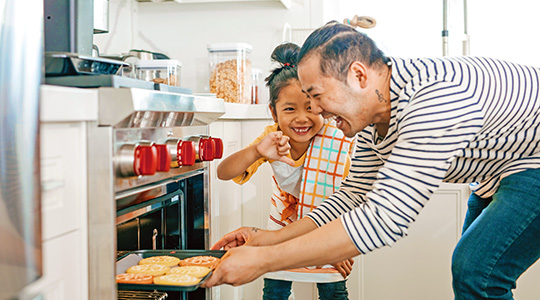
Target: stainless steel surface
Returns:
[[445, 29], [142, 54], [127, 136], [101, 16], [128, 117], [68, 25], [21, 50], [125, 160], [133, 214], [136, 108], [101, 214], [467, 40], [207, 205], [66, 63]]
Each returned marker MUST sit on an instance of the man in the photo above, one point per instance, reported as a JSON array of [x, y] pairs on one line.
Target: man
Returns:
[[418, 123]]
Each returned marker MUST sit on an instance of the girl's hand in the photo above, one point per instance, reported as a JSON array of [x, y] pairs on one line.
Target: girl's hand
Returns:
[[344, 267], [239, 237], [275, 146]]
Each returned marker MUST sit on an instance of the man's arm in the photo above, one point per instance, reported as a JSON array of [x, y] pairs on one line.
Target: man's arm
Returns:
[[258, 237], [325, 245]]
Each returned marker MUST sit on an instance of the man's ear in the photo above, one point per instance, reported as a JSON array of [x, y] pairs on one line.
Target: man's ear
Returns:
[[273, 111], [358, 74]]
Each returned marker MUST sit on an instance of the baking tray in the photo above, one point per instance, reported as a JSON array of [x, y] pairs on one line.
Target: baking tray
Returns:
[[133, 257]]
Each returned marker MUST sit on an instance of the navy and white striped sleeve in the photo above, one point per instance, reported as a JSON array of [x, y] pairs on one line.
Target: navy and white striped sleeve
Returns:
[[435, 126]]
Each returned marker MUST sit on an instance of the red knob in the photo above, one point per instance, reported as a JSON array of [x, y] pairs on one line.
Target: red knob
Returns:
[[145, 162], [206, 149], [163, 158], [186, 153], [218, 147]]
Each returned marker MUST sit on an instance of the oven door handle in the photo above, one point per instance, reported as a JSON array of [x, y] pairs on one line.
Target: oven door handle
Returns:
[[136, 210], [143, 189]]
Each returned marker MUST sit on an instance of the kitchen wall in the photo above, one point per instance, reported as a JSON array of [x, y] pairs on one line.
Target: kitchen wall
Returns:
[[500, 29], [496, 28], [183, 31], [404, 28]]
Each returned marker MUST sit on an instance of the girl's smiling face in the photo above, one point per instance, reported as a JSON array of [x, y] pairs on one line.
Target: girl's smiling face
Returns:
[[294, 117]]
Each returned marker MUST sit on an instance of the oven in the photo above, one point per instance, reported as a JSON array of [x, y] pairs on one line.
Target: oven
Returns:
[[148, 181]]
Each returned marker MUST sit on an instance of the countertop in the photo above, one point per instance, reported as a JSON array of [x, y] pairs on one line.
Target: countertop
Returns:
[[59, 103], [235, 111]]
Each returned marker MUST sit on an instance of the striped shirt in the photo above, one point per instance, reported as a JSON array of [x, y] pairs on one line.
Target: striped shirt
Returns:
[[457, 120]]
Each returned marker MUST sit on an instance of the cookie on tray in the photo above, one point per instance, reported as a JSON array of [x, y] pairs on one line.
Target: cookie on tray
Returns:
[[135, 278], [176, 279], [166, 260], [201, 261], [154, 270], [195, 271]]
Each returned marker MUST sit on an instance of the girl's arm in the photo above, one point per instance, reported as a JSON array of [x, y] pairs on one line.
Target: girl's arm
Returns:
[[274, 146], [237, 163]]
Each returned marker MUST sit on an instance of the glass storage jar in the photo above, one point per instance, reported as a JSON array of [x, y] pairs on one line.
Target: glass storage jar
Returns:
[[230, 71], [166, 71], [256, 80]]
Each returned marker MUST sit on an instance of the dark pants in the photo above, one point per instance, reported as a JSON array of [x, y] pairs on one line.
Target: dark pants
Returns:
[[281, 290]]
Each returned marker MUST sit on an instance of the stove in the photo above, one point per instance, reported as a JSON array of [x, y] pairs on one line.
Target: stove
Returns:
[[148, 179]]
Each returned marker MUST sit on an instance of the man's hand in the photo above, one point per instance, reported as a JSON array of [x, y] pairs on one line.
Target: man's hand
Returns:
[[238, 266]]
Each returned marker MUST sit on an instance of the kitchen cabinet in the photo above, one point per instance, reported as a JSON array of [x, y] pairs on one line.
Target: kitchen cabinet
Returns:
[[417, 267], [527, 284], [64, 113], [234, 205]]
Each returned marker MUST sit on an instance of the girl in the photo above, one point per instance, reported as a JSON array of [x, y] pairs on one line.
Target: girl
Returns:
[[309, 158]]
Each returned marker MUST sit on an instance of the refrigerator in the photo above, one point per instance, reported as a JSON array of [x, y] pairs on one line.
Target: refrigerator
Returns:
[[21, 52]]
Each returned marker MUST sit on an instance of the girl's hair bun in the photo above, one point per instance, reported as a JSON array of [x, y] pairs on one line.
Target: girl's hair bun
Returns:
[[286, 53]]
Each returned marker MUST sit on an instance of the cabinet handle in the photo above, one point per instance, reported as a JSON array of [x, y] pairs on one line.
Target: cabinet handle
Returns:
[[48, 185]]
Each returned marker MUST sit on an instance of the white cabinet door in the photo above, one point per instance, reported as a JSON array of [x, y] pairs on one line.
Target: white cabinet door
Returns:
[[63, 177], [417, 267], [234, 205], [64, 221]]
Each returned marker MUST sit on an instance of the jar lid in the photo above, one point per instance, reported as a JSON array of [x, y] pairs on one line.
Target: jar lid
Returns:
[[158, 63], [229, 47]]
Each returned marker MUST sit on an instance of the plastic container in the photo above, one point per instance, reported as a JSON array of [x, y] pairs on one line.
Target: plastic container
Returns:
[[256, 81], [230, 71], [166, 71]]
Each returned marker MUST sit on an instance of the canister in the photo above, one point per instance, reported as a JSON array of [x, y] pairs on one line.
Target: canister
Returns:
[[166, 71], [230, 71], [256, 80]]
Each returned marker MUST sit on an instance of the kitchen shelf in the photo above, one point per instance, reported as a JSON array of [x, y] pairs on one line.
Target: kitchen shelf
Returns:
[[286, 3]]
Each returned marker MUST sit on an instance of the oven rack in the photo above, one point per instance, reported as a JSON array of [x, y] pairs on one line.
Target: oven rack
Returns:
[[142, 295]]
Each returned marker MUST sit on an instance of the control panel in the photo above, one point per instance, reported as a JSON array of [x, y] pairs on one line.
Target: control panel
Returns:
[[146, 158]]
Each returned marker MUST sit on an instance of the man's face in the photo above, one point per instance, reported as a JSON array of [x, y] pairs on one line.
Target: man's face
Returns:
[[333, 98]]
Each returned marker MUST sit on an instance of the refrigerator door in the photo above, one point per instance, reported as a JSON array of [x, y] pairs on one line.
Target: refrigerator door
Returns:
[[21, 51]]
